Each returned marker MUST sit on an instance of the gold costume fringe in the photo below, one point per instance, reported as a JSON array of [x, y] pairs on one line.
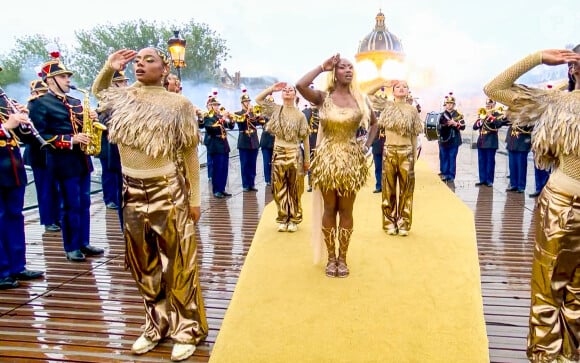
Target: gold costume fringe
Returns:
[[401, 118], [145, 125], [283, 123]]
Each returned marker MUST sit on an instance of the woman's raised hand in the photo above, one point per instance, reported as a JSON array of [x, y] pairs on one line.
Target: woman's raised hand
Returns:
[[279, 86], [330, 63], [555, 57], [121, 58]]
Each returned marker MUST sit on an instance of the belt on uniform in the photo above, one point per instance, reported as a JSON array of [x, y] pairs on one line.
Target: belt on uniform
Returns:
[[10, 142]]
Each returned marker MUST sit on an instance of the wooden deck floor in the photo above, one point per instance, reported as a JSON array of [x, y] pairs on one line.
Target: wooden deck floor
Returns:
[[91, 312]]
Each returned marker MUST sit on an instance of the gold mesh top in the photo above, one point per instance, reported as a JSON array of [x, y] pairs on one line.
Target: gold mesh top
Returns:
[[153, 129], [554, 114]]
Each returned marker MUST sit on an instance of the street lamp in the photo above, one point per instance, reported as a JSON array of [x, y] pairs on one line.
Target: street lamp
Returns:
[[176, 48]]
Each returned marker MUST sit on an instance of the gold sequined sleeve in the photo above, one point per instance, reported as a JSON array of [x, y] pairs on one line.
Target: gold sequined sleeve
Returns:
[[192, 174], [103, 80]]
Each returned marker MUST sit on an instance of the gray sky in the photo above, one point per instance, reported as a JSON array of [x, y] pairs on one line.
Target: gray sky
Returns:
[[462, 43]]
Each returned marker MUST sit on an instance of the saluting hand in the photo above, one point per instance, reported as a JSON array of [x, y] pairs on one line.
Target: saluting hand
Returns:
[[554, 57], [330, 63], [279, 86], [119, 59]]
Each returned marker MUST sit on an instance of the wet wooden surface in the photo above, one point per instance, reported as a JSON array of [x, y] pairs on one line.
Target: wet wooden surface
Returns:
[[91, 311]]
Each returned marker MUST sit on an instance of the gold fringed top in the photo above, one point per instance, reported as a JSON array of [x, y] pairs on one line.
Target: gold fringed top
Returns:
[[286, 123], [554, 114], [154, 129], [401, 118]]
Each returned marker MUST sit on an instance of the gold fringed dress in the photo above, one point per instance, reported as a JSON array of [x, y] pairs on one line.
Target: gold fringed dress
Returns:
[[339, 163], [554, 326], [157, 137]]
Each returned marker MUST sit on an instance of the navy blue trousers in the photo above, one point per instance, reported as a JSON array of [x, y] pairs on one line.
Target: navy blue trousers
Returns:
[[112, 183], [12, 242], [76, 192], [219, 178], [448, 160], [267, 162], [518, 166], [378, 160], [47, 195], [486, 164], [541, 177], [248, 158]]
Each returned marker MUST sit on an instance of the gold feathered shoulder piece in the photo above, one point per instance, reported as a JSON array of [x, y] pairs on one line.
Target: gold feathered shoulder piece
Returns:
[[150, 119], [402, 118], [555, 116]]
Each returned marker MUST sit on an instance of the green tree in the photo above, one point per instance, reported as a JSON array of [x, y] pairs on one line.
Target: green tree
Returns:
[[27, 56], [205, 50]]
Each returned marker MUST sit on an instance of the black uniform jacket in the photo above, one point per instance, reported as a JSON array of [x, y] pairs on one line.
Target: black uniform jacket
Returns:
[[248, 137], [216, 131], [57, 119]]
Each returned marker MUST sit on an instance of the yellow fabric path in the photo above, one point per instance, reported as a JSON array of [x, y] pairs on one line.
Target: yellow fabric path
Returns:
[[407, 299]]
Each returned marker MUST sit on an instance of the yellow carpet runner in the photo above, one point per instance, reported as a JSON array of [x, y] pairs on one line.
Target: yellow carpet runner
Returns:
[[407, 299]]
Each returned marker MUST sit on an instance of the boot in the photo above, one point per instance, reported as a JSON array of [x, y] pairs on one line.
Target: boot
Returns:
[[330, 241], [343, 242]]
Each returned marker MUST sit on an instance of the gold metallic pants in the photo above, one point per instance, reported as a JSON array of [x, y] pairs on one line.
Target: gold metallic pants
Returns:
[[555, 306], [287, 183], [161, 252], [398, 172]]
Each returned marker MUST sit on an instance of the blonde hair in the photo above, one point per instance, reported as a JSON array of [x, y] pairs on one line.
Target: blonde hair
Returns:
[[355, 91]]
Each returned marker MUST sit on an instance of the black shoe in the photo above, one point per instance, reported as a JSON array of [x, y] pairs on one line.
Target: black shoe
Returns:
[[246, 189], [226, 194], [8, 283], [253, 189], [479, 184], [309, 189], [489, 184], [75, 256], [51, 228], [27, 275], [219, 195], [534, 195], [89, 250], [377, 190], [511, 189], [112, 206]]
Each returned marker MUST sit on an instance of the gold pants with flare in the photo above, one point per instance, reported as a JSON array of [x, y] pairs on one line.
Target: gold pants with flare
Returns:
[[555, 305], [287, 183], [398, 171], [161, 253]]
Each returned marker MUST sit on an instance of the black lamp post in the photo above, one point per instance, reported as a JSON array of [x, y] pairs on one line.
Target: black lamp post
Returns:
[[176, 47]]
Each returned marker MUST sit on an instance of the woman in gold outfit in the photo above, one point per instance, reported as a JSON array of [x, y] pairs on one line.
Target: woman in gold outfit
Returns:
[[288, 124], [554, 333], [157, 135], [339, 167], [402, 125]]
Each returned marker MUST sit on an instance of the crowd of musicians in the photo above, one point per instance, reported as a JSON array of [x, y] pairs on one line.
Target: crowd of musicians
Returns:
[[154, 167]]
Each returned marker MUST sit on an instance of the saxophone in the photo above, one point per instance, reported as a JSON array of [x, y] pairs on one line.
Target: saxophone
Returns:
[[92, 128]]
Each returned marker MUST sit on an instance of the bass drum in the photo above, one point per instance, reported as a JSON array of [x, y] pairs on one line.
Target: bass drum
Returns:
[[432, 126]]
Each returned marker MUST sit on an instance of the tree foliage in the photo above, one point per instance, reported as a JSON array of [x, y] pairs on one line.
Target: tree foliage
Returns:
[[205, 50]]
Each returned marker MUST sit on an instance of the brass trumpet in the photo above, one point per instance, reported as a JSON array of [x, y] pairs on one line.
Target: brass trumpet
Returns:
[[482, 112]]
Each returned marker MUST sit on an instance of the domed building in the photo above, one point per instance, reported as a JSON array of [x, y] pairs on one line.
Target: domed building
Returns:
[[379, 49]]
